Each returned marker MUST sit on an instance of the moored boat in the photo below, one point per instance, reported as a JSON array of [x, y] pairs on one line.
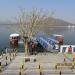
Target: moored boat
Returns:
[[14, 38]]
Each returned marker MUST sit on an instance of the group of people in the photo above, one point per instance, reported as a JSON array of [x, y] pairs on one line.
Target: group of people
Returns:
[[32, 47]]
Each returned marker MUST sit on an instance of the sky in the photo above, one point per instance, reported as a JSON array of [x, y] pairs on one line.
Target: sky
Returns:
[[64, 9]]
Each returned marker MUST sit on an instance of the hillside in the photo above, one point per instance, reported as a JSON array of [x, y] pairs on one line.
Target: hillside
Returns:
[[54, 25], [50, 25]]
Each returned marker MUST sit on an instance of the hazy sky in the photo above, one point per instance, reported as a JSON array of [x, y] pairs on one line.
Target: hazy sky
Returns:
[[64, 9]]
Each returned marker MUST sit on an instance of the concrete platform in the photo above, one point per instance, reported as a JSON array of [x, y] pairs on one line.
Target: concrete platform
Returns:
[[47, 63]]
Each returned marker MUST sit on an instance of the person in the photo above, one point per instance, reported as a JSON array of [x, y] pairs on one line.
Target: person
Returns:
[[70, 49]]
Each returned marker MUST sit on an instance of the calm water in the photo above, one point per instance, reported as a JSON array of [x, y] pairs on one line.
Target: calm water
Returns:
[[6, 30], [69, 37]]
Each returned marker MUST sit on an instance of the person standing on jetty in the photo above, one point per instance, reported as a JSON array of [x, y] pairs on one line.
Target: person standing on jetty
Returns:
[[70, 49]]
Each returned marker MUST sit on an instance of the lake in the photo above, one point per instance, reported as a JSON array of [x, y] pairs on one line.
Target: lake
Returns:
[[6, 30]]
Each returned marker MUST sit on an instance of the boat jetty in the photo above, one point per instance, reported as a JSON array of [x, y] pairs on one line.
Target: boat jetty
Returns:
[[61, 62]]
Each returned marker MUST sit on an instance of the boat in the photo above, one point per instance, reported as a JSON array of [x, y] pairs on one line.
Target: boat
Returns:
[[14, 38], [58, 37]]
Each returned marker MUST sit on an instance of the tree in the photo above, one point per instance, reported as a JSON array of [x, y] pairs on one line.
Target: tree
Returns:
[[31, 23]]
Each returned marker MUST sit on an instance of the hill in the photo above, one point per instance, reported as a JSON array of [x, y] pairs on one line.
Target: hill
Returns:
[[50, 25], [53, 25]]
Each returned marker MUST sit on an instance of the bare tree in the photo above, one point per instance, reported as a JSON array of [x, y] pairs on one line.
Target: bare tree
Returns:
[[30, 23]]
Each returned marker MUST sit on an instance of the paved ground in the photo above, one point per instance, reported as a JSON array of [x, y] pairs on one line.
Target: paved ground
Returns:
[[47, 63]]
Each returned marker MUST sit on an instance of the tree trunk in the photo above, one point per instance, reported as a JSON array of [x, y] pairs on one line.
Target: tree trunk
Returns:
[[26, 47]]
